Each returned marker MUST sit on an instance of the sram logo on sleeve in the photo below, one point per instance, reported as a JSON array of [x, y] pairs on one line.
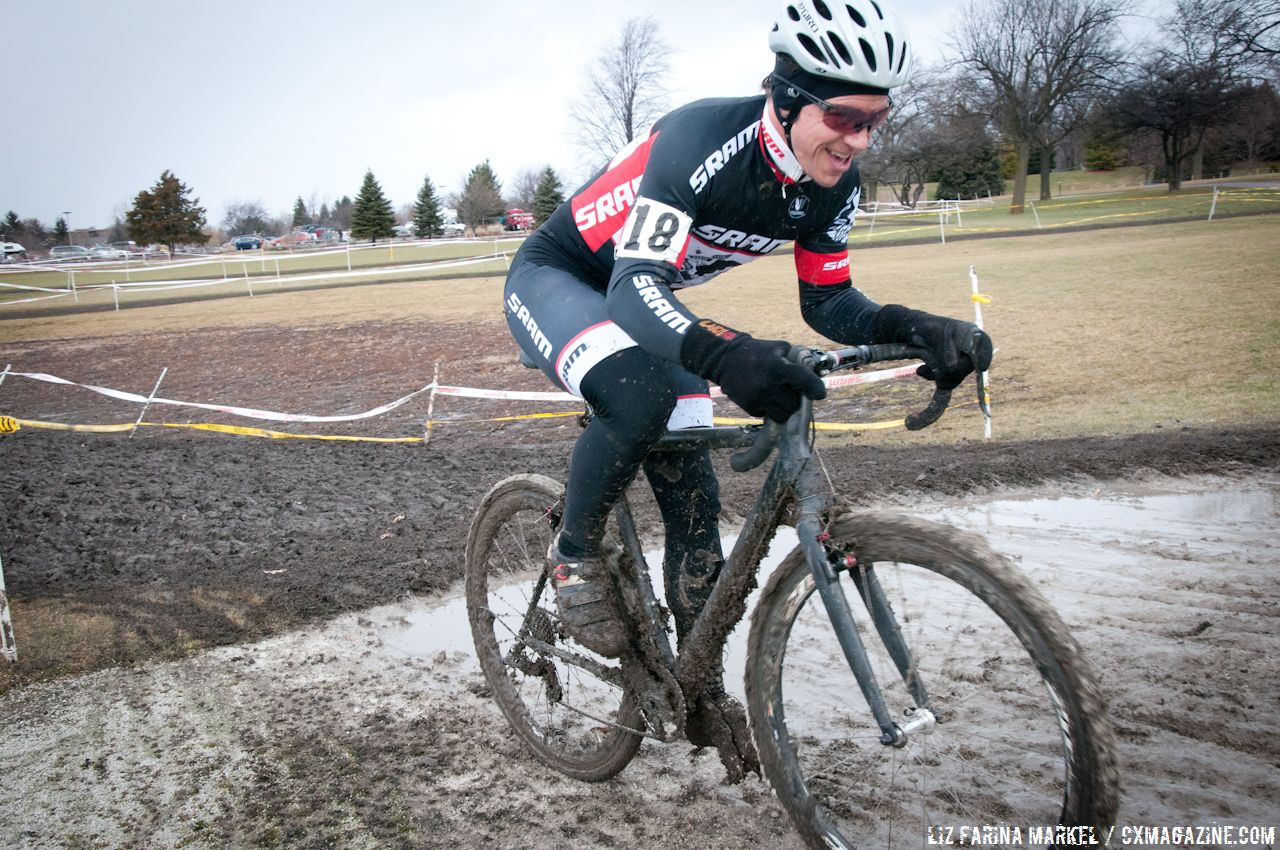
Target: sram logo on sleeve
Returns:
[[654, 231]]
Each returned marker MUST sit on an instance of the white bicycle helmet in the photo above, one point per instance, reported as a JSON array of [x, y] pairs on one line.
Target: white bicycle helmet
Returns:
[[856, 41]]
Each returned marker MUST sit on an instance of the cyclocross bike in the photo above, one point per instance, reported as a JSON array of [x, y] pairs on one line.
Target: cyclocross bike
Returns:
[[900, 676]]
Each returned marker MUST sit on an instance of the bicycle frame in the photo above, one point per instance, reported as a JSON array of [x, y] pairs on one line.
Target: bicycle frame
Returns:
[[792, 483]]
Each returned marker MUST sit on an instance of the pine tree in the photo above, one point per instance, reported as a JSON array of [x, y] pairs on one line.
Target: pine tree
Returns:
[[342, 213], [300, 214], [323, 218], [60, 232], [10, 226], [546, 197], [166, 214], [481, 198], [371, 217], [427, 219]]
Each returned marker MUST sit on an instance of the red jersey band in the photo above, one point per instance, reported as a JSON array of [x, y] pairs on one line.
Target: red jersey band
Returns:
[[822, 269]]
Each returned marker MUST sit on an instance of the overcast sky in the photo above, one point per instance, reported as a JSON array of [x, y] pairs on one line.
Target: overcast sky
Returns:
[[268, 101]]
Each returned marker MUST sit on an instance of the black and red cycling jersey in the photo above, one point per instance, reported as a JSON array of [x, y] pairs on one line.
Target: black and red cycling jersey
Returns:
[[712, 185]]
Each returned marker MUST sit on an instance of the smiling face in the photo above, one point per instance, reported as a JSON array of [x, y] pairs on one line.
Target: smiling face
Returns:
[[824, 153]]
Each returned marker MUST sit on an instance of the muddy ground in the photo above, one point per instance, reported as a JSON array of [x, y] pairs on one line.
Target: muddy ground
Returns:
[[127, 558]]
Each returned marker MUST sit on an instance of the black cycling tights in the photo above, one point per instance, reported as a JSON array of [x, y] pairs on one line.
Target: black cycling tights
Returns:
[[632, 398]]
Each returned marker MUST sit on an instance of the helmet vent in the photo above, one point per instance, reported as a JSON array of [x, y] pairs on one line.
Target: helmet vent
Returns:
[[888, 40], [821, 9], [840, 48], [793, 14], [857, 16], [876, 6], [812, 46], [868, 54], [903, 59]]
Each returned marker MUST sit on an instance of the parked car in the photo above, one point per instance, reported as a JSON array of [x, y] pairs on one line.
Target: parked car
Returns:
[[106, 252], [247, 243], [454, 228], [69, 253], [11, 252]]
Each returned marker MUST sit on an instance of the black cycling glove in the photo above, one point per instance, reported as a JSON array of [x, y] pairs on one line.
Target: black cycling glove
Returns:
[[958, 347], [752, 372]]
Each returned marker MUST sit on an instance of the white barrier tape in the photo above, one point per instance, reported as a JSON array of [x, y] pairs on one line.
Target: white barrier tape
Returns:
[[247, 412], [461, 392], [833, 381], [62, 294], [156, 286]]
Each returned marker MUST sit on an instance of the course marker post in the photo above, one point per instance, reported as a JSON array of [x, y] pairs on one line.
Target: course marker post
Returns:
[[8, 649], [147, 403], [1034, 213], [984, 385], [1214, 206], [431, 403]]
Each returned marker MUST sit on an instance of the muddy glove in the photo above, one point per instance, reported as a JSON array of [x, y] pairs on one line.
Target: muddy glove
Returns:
[[752, 372], [958, 347]]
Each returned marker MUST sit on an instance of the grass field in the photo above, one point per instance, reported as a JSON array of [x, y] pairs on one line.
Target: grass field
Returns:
[[1102, 331]]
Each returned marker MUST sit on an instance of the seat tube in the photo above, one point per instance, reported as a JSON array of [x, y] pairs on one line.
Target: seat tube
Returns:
[[842, 622]]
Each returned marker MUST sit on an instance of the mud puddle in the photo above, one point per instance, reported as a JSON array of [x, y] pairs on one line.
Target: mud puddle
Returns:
[[1102, 528]]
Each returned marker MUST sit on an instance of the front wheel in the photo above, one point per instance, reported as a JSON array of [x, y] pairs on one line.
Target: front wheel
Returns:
[[564, 702], [1012, 731]]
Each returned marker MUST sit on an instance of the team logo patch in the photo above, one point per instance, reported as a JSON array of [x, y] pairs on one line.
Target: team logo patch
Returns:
[[799, 206]]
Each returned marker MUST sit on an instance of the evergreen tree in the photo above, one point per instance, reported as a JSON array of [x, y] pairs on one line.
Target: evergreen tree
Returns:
[[481, 198], [970, 171], [10, 226], [371, 216], [546, 197], [300, 214], [323, 218], [427, 219], [61, 234], [342, 213], [166, 214]]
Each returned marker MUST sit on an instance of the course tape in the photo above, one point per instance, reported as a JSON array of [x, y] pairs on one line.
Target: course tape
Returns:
[[833, 381], [246, 412], [243, 431]]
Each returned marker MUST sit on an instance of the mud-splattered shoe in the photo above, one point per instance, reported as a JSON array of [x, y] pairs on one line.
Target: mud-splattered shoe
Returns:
[[585, 602]]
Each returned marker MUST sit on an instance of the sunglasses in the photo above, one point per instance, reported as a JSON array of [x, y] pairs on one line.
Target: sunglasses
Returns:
[[846, 120]]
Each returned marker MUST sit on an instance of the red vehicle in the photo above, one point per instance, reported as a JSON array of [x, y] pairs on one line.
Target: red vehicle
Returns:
[[518, 219]]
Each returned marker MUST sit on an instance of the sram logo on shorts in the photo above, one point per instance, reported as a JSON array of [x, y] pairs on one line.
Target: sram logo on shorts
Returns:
[[522, 316], [654, 231]]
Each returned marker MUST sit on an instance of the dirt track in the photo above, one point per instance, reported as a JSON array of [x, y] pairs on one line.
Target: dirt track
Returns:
[[125, 553]]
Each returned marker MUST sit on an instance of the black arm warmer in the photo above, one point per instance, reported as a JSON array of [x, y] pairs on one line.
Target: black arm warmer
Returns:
[[839, 312]]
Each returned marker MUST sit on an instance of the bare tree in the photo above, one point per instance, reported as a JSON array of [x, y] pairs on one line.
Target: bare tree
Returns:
[[524, 187], [1032, 58], [1193, 81], [624, 94]]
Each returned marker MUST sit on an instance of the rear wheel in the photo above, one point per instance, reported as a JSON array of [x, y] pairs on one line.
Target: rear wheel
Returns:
[[566, 703], [1013, 732]]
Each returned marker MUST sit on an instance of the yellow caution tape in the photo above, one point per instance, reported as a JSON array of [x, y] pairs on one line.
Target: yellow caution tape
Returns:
[[826, 426], [8, 425], [978, 298]]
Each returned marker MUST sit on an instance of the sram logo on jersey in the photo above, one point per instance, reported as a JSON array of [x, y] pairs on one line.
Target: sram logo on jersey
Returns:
[[664, 309], [720, 158], [714, 234]]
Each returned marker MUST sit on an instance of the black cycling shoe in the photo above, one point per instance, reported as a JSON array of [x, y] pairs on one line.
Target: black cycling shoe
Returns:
[[585, 602]]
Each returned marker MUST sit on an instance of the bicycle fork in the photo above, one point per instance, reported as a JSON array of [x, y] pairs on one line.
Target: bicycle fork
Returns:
[[822, 562]]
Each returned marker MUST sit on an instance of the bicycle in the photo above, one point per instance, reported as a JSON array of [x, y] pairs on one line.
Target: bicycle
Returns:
[[969, 702]]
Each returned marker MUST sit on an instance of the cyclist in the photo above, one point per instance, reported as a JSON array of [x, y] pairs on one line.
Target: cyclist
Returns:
[[590, 296]]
